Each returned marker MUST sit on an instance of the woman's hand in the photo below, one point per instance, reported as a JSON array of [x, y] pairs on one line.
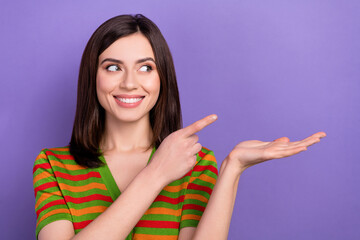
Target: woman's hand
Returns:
[[249, 153], [176, 155]]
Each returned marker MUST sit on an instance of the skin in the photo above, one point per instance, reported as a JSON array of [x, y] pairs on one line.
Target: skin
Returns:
[[125, 146]]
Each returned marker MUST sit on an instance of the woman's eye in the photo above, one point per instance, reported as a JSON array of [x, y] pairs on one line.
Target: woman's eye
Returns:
[[146, 68], [112, 68]]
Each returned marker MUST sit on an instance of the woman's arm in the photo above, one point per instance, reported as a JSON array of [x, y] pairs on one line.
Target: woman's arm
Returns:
[[217, 215], [215, 222]]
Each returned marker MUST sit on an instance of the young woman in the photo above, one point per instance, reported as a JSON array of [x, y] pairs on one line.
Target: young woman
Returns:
[[131, 171]]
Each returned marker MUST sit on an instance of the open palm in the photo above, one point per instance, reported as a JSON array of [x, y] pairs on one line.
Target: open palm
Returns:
[[252, 152]]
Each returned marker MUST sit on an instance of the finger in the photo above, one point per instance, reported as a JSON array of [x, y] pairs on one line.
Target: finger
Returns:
[[310, 142], [196, 148], [193, 139], [315, 135], [307, 141], [282, 139], [199, 125], [289, 152]]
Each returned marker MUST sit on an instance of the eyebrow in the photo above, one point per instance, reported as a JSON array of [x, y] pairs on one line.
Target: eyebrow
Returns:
[[121, 62]]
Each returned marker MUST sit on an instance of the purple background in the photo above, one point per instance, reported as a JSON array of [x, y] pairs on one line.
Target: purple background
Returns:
[[267, 68]]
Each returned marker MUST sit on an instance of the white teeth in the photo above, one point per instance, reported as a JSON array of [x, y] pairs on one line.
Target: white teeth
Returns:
[[129, 100]]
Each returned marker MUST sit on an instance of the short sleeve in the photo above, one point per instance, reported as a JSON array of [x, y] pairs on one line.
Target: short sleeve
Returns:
[[201, 184], [50, 205]]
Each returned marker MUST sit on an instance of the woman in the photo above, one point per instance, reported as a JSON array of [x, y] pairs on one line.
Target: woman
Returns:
[[110, 183]]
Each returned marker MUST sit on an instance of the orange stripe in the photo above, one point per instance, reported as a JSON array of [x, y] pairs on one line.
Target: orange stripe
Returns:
[[60, 149], [205, 178], [197, 197], [138, 236], [160, 210], [209, 157], [53, 212], [190, 217], [175, 188], [41, 156], [42, 176], [45, 196], [95, 209], [82, 188], [66, 166]]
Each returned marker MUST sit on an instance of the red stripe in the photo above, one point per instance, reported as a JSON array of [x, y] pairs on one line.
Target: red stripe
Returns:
[[92, 197], [193, 207], [199, 168], [42, 165], [79, 177], [170, 200], [60, 156], [157, 224], [199, 187], [45, 186], [50, 204], [201, 154], [80, 225]]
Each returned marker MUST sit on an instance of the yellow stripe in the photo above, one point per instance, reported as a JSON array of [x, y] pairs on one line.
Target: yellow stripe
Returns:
[[53, 212], [95, 209], [82, 188], [138, 236], [66, 166], [45, 196], [160, 210]]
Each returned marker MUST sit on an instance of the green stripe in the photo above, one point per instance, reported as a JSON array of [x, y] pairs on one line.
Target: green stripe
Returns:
[[157, 231]]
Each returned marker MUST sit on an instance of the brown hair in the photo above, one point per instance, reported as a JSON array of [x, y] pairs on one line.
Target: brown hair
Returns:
[[89, 123]]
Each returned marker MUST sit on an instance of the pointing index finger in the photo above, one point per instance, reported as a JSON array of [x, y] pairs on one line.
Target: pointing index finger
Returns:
[[199, 125]]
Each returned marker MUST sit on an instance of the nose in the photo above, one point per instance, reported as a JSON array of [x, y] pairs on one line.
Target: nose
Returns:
[[129, 81]]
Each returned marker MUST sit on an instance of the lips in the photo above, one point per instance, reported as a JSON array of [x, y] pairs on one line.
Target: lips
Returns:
[[128, 101]]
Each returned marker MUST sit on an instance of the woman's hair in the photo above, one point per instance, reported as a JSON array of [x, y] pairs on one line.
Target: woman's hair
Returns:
[[89, 123]]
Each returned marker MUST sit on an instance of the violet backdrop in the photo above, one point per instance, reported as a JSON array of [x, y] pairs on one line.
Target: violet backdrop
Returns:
[[267, 68]]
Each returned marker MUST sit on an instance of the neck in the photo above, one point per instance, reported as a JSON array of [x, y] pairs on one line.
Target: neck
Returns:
[[126, 136]]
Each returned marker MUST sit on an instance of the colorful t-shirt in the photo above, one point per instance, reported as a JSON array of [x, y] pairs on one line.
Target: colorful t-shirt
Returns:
[[65, 190]]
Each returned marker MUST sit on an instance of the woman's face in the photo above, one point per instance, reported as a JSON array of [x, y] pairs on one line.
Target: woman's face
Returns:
[[127, 81]]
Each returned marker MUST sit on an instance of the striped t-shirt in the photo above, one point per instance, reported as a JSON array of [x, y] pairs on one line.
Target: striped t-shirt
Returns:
[[65, 190]]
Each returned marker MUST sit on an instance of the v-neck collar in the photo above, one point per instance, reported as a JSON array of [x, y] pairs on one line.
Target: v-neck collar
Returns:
[[108, 178]]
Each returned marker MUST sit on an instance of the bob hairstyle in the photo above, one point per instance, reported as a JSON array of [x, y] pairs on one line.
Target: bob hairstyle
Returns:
[[89, 123]]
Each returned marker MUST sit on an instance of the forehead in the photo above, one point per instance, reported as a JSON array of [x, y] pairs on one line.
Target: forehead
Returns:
[[129, 48]]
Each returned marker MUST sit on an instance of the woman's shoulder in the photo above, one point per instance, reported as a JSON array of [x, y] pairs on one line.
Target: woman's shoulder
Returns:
[[56, 153], [56, 157], [206, 161], [206, 154]]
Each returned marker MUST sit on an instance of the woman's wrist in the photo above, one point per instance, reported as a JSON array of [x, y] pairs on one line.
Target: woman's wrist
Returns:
[[155, 176], [232, 165]]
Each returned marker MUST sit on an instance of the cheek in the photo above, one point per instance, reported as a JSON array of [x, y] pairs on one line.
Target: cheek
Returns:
[[153, 87], [103, 88]]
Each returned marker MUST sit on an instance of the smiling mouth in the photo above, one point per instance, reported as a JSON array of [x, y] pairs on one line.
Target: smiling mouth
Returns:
[[129, 100]]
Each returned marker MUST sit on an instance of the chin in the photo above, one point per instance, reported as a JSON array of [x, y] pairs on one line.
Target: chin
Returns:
[[131, 118]]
